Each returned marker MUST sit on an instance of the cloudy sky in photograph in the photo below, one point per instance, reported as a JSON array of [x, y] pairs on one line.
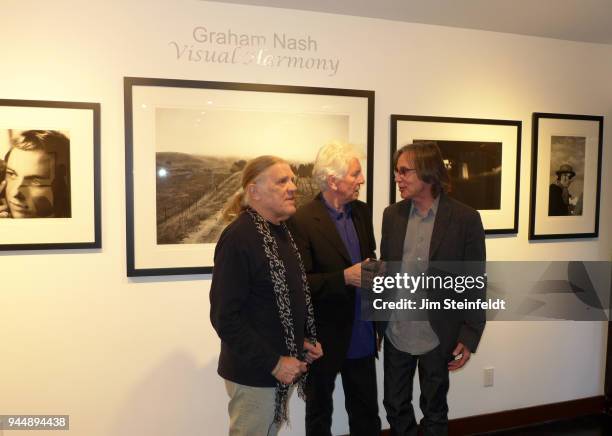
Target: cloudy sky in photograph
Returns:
[[247, 134]]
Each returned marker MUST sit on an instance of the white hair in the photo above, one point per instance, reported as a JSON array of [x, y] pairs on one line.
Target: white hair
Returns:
[[333, 159]]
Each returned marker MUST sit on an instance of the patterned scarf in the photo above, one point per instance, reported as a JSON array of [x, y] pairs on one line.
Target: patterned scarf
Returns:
[[283, 303]]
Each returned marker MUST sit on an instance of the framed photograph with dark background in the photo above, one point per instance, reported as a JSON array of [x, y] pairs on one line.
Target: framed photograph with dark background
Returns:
[[565, 176], [187, 142], [49, 175], [482, 157]]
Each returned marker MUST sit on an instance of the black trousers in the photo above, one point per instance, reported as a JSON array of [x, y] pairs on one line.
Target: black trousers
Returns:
[[433, 377], [360, 398]]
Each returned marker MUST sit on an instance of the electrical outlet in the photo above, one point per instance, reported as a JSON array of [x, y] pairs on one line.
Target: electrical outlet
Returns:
[[488, 376]]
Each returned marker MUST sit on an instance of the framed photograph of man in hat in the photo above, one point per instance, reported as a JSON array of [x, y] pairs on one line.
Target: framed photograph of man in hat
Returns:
[[565, 176]]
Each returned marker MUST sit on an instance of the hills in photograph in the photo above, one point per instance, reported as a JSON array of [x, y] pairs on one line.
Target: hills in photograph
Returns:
[[192, 191]]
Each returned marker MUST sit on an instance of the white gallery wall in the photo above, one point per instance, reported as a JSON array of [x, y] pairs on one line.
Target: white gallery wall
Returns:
[[131, 357]]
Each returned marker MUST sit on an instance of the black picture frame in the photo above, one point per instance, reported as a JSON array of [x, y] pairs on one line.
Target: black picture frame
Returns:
[[409, 128], [147, 253], [80, 122], [573, 144]]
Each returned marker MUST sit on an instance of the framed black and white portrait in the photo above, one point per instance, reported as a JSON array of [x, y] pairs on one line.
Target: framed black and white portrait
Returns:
[[187, 142], [49, 175], [482, 157], [565, 176]]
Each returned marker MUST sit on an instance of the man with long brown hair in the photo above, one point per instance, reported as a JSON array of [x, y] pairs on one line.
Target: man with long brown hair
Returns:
[[427, 225]]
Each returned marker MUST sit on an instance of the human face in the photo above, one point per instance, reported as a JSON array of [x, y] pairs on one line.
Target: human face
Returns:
[[408, 182], [28, 184], [273, 193], [346, 189], [565, 180]]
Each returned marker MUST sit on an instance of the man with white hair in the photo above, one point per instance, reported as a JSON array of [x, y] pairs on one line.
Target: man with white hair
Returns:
[[334, 234]]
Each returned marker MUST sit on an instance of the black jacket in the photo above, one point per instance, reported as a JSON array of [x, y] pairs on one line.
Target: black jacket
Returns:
[[243, 307], [457, 235], [325, 257]]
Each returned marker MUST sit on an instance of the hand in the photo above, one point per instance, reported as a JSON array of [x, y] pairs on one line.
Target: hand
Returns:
[[288, 369], [4, 212], [462, 355], [352, 275], [313, 352]]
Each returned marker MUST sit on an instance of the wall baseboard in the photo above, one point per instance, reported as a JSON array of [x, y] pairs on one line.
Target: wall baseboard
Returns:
[[523, 417], [527, 416]]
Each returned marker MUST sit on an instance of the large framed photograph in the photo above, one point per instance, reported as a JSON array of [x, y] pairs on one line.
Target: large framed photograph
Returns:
[[482, 157], [565, 176], [49, 175], [187, 142]]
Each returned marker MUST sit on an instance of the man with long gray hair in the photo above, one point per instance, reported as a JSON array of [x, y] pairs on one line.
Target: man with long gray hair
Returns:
[[260, 301], [335, 235]]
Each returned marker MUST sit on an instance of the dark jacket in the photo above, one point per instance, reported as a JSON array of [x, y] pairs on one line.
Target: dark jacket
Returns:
[[325, 258], [457, 235], [243, 307], [556, 205]]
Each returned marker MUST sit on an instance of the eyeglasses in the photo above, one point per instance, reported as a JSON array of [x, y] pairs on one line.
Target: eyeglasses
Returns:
[[403, 171]]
